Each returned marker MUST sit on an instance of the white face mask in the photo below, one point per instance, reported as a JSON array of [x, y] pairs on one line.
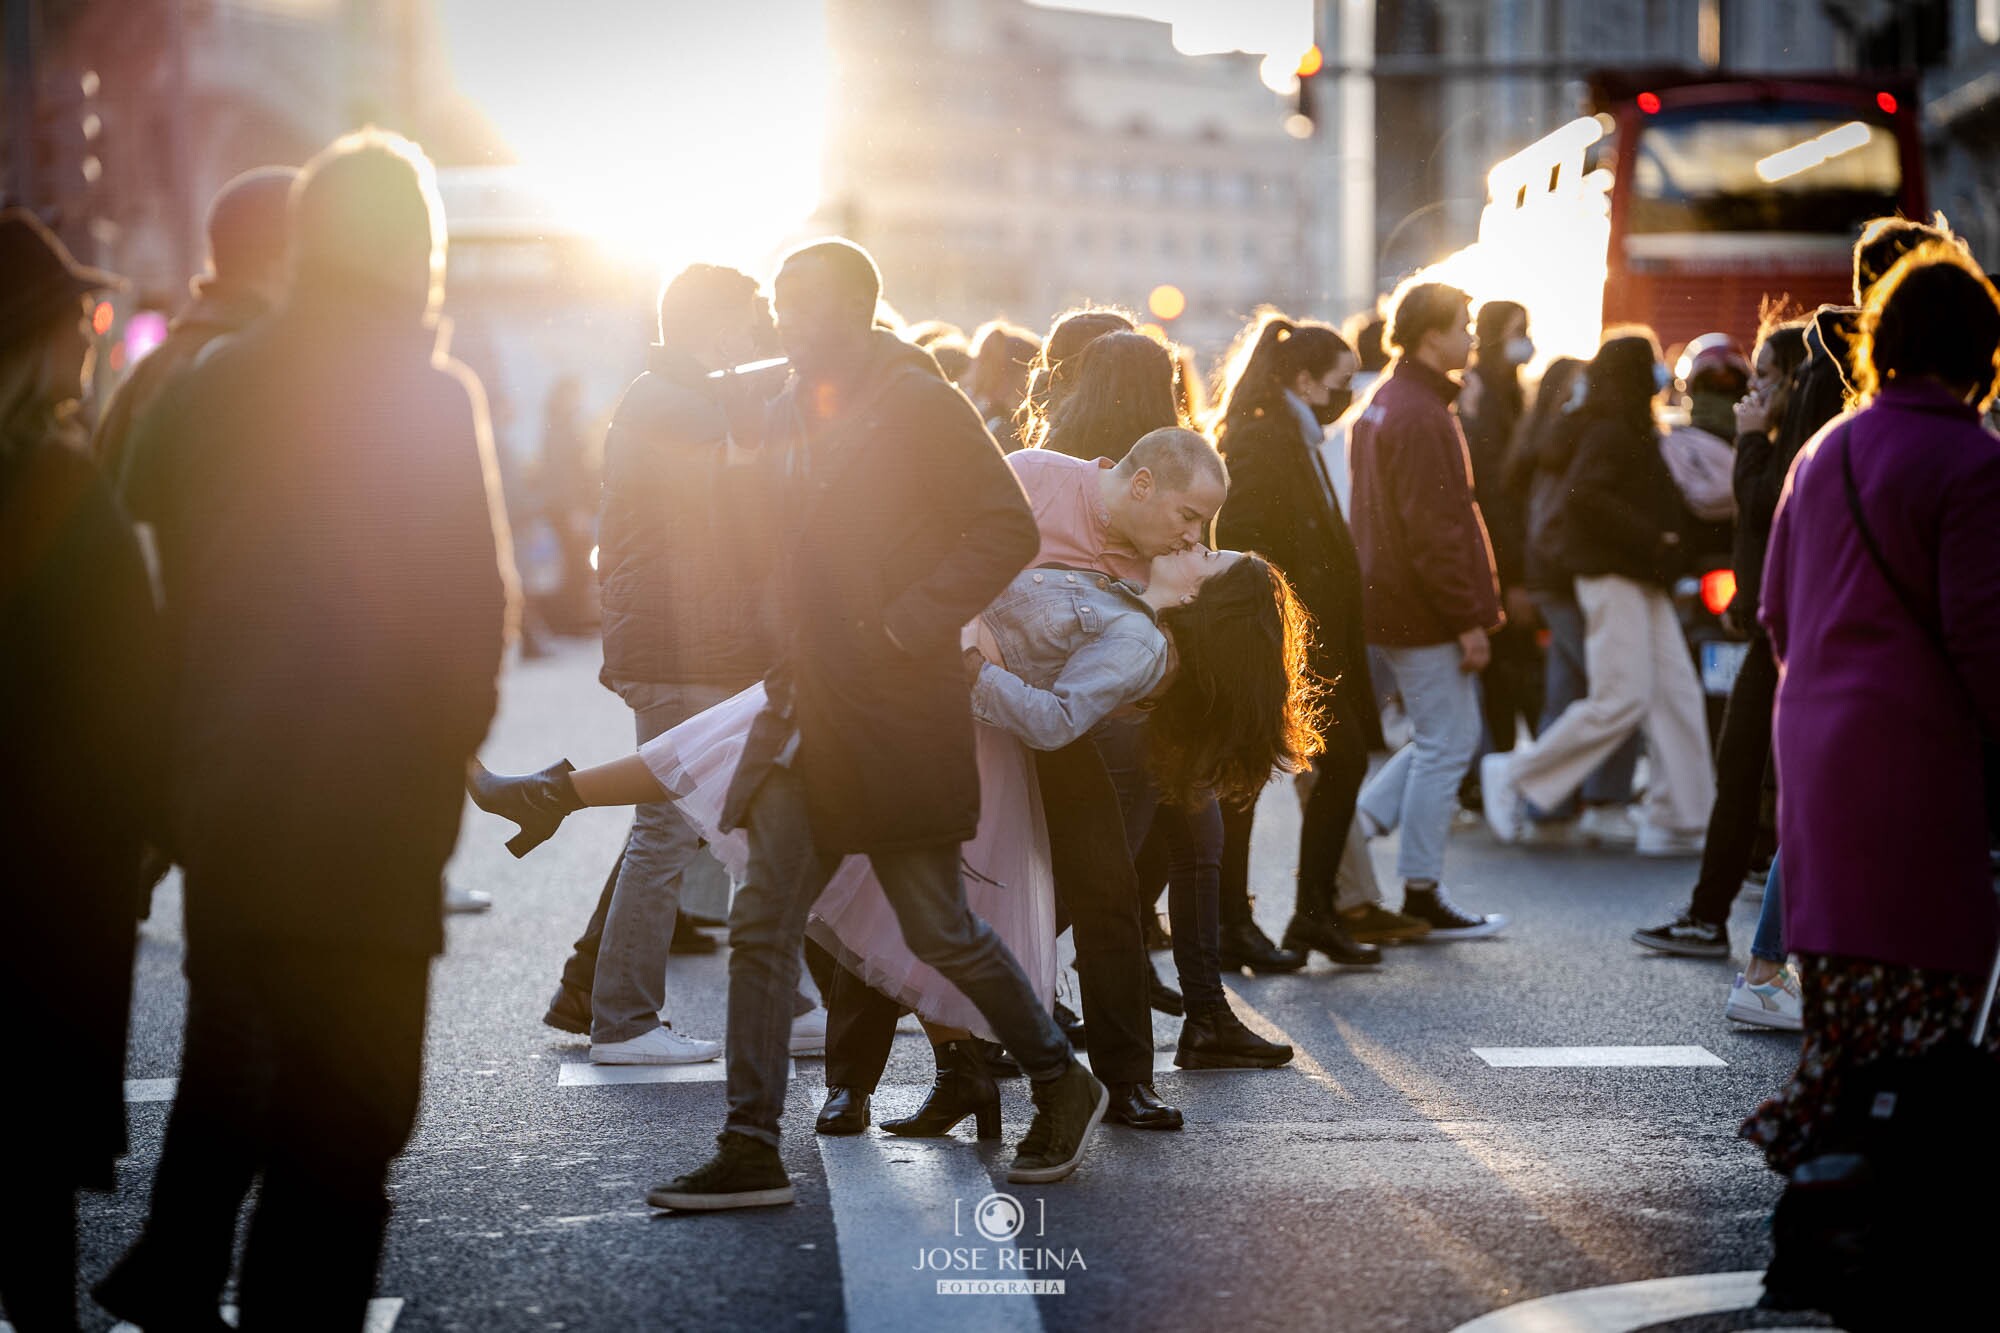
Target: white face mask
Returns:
[[1520, 351]]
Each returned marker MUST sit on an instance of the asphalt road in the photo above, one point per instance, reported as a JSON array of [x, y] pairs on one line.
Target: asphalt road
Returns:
[[1390, 1179]]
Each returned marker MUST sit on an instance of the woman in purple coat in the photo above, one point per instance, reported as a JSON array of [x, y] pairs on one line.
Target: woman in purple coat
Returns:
[[1890, 689]]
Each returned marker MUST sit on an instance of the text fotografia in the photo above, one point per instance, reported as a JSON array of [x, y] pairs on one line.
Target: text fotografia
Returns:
[[1002, 1286]]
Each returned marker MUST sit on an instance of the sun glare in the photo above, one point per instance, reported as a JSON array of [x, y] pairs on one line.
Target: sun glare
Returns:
[[684, 135]]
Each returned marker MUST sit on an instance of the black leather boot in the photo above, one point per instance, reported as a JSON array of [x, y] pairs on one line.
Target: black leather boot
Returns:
[[538, 802], [1243, 945], [845, 1112], [1306, 933], [1137, 1105], [963, 1088], [1218, 1040]]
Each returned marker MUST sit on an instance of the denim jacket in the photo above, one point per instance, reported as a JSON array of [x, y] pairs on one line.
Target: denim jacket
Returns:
[[1076, 646]]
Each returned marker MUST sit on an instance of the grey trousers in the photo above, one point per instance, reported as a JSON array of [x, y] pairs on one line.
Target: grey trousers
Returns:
[[662, 856]]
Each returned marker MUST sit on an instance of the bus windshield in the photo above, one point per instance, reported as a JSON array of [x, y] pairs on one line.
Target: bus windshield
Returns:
[[1802, 169]]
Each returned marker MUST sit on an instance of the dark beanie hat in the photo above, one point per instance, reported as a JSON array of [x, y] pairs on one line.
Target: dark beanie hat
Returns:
[[38, 276], [246, 222]]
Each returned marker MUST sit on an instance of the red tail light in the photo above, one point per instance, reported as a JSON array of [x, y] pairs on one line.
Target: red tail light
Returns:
[[1649, 103], [1887, 101], [1718, 590]]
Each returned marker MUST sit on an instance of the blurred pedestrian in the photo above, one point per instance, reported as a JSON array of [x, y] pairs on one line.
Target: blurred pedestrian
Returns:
[[1286, 378], [1490, 411], [1054, 371], [1537, 471], [570, 477], [1121, 387], [1743, 751], [1882, 600], [80, 722], [246, 277], [1622, 536], [684, 562], [1429, 595], [332, 551], [1002, 357]]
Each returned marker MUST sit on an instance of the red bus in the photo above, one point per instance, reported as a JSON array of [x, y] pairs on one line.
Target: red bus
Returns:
[[1728, 190]]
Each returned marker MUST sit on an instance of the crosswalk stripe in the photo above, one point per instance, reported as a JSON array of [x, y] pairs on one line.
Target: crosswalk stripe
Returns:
[[1599, 1057], [583, 1074], [383, 1312], [894, 1197], [150, 1089]]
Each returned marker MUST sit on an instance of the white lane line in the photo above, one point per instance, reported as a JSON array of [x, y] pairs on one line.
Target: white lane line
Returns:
[[583, 1074], [1599, 1057], [383, 1312], [150, 1089], [1625, 1307], [895, 1199]]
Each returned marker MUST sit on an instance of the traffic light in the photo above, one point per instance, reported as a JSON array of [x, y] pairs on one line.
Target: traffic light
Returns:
[[1304, 119]]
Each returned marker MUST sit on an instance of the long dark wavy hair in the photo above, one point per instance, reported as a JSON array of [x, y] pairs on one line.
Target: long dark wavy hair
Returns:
[[1123, 389], [1242, 700]]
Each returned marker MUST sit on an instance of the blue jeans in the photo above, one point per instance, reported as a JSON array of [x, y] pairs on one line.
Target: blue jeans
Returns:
[[1417, 790], [767, 925], [1566, 681], [1769, 941], [1194, 861]]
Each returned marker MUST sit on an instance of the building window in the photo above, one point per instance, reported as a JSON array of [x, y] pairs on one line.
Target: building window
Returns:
[[1989, 21]]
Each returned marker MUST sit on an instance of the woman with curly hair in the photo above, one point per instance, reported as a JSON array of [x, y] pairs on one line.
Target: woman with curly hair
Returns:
[[1213, 646]]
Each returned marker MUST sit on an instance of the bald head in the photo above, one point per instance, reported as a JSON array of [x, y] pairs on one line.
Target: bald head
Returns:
[[1176, 457]]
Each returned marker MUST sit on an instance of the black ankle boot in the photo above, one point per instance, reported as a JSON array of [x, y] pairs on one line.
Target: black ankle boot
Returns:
[[963, 1088], [1218, 1040], [1243, 945], [538, 802], [1306, 933]]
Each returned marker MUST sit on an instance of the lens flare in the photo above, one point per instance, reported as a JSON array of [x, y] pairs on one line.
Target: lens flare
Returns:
[[1544, 241]]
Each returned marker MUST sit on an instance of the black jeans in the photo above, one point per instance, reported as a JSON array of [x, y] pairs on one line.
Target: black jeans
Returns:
[[1192, 840], [1097, 887], [1742, 755], [1098, 891], [1323, 827], [302, 1062]]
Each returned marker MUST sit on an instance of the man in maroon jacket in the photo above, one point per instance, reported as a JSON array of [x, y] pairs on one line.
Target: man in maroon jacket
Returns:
[[1429, 596]]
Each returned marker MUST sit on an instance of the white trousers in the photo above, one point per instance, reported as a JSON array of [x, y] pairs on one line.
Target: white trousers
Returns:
[[1641, 678]]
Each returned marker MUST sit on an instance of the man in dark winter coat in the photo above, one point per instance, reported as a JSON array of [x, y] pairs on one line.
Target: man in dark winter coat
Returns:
[[332, 550], [80, 722], [683, 558], [245, 278], [901, 522], [1429, 595]]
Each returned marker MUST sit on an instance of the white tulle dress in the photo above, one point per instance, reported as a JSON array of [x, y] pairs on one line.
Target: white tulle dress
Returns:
[[1006, 865]]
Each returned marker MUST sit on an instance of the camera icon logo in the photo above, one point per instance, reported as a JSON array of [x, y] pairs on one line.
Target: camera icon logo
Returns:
[[999, 1217]]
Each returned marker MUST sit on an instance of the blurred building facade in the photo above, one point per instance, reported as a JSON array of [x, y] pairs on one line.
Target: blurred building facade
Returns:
[[139, 110], [1001, 158]]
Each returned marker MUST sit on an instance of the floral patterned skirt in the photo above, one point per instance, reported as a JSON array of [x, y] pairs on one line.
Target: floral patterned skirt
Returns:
[[1857, 1010]]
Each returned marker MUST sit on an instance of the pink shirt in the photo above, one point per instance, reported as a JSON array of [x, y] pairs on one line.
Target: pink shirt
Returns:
[[1076, 526]]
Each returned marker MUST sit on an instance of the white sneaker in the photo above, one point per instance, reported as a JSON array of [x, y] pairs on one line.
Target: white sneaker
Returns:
[[1502, 799], [1772, 1004], [1607, 826], [809, 1032], [1655, 841], [661, 1046]]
